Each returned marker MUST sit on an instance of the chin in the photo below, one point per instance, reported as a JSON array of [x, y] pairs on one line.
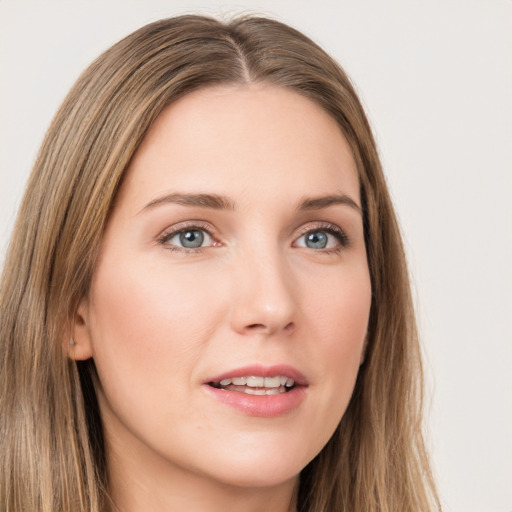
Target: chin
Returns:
[[257, 466], [258, 477]]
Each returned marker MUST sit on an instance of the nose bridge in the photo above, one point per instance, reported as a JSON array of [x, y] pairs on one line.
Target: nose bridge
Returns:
[[264, 301]]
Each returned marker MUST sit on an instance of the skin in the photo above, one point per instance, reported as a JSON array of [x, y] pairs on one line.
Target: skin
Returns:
[[160, 319]]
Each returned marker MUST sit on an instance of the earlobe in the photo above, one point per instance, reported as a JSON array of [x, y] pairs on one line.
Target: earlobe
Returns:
[[79, 345]]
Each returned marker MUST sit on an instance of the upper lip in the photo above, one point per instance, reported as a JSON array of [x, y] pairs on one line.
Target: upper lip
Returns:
[[262, 371]]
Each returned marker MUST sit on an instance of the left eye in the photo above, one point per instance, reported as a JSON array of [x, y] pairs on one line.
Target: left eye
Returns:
[[190, 239], [318, 239]]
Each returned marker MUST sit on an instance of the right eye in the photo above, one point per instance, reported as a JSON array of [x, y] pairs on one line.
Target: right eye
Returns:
[[189, 238]]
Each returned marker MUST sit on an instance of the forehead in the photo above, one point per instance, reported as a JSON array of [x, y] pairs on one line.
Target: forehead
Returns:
[[253, 138]]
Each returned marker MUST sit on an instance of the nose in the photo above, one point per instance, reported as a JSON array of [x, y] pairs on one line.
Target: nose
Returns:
[[264, 299]]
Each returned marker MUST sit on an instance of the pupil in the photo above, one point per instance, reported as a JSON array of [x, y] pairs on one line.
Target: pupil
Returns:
[[317, 240], [191, 239]]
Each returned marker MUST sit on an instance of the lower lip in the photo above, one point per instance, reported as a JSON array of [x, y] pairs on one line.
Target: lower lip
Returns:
[[264, 406]]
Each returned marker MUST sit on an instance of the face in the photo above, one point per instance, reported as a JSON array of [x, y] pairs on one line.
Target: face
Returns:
[[229, 305]]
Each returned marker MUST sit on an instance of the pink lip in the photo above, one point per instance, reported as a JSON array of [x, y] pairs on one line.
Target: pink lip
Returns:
[[266, 406]]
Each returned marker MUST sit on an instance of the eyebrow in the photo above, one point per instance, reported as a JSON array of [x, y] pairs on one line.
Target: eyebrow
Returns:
[[213, 201], [220, 202], [318, 203]]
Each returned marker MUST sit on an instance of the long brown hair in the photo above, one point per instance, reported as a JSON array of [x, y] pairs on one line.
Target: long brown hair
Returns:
[[52, 452]]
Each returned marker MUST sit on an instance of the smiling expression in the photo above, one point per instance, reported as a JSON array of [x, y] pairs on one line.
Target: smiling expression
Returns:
[[229, 304]]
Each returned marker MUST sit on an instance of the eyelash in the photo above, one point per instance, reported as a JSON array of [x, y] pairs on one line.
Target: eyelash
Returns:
[[323, 227]]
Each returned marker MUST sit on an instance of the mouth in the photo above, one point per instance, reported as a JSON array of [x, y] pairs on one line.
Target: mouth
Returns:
[[262, 391], [256, 385]]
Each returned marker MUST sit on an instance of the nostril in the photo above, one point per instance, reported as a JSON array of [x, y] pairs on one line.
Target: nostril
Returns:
[[289, 327], [256, 327]]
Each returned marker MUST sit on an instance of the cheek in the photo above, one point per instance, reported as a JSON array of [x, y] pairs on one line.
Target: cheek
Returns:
[[147, 320], [340, 313], [339, 319]]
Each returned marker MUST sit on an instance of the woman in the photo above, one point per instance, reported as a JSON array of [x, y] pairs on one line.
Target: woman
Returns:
[[205, 303]]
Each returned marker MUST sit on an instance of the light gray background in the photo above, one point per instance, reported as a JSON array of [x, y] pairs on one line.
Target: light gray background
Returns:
[[436, 78]]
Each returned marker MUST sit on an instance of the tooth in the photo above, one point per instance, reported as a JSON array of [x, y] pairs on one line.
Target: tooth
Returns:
[[259, 392], [239, 381], [289, 383], [283, 380], [250, 391], [225, 382], [272, 382], [273, 391], [255, 382]]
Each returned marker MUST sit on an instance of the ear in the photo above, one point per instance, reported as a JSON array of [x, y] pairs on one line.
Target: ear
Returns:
[[79, 343]]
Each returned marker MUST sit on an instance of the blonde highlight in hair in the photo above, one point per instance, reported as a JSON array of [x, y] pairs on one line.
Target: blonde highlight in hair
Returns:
[[51, 442]]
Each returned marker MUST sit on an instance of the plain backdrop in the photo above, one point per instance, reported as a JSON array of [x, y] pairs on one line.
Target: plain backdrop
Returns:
[[436, 79]]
